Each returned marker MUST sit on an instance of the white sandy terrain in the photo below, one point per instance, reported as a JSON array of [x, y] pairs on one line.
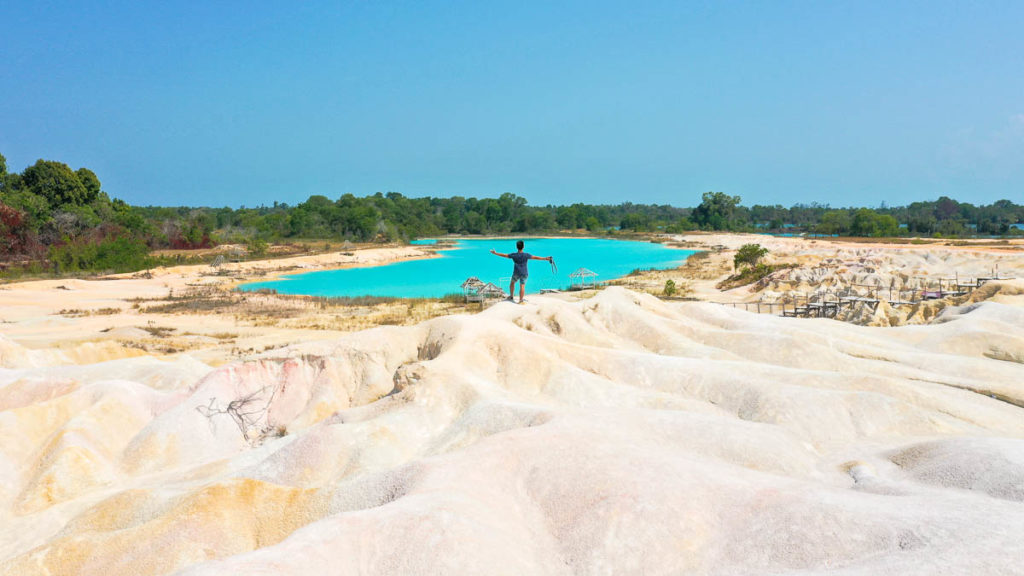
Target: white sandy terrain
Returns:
[[830, 268], [93, 320], [614, 435]]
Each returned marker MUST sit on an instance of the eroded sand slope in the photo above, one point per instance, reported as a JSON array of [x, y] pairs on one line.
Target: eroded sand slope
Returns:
[[615, 435]]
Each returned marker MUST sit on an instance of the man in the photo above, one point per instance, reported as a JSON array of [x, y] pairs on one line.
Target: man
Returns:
[[519, 272]]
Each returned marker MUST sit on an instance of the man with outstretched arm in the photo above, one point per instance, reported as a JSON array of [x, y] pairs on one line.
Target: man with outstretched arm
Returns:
[[519, 271]]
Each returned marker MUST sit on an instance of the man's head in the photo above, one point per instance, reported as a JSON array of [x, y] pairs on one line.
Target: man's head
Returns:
[[519, 245]]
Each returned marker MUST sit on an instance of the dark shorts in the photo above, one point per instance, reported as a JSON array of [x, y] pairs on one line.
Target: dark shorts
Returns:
[[519, 277]]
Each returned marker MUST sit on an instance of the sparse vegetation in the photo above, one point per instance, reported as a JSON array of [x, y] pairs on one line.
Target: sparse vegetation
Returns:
[[250, 413], [158, 331], [78, 313], [267, 308], [750, 274]]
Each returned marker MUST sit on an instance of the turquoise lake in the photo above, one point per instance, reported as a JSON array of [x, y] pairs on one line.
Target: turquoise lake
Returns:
[[436, 277]]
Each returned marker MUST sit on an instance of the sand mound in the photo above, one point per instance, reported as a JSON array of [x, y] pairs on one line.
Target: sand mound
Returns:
[[994, 466], [616, 435]]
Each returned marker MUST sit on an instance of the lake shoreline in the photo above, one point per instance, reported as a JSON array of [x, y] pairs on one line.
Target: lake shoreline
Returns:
[[621, 258], [195, 310]]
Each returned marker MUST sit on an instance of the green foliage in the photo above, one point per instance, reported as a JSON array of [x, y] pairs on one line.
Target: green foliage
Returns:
[[748, 255], [680, 226], [55, 182], [867, 222], [90, 181], [121, 254], [717, 211], [670, 288], [131, 219], [950, 229], [634, 222], [834, 222], [35, 207], [256, 246]]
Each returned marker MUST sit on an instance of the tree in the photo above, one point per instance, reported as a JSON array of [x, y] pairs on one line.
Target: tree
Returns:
[[34, 207], [256, 246], [863, 222], [475, 223], [91, 182], [13, 230], [834, 222], [568, 217], [948, 228], [886, 225], [55, 182], [634, 221], [867, 222], [3, 171], [356, 218], [946, 208], [715, 211], [749, 255]]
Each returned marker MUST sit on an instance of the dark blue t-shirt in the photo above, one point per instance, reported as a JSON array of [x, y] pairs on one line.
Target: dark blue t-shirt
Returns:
[[520, 258]]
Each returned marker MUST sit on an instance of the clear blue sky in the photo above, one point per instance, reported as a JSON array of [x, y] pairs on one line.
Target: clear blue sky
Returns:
[[218, 103]]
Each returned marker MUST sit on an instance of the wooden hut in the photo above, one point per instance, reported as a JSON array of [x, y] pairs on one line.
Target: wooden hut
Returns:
[[475, 290], [490, 290], [471, 289], [582, 278]]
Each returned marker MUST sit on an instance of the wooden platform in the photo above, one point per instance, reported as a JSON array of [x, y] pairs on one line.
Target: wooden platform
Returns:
[[811, 306]]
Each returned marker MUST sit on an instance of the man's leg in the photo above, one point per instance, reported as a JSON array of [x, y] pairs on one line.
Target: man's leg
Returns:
[[522, 290], [512, 289]]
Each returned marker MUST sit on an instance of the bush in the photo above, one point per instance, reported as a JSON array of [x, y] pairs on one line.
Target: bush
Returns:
[[256, 246], [121, 254], [670, 288], [748, 255]]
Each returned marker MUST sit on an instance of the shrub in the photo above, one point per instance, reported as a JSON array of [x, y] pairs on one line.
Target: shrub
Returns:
[[749, 255], [121, 254], [670, 288], [256, 246]]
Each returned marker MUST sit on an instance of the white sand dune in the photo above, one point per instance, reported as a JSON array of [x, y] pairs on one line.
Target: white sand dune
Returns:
[[615, 435]]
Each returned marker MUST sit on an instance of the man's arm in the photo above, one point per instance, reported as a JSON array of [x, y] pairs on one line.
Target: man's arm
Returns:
[[499, 254], [548, 258]]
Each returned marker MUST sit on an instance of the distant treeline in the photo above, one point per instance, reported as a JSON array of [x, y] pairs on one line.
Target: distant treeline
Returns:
[[51, 215]]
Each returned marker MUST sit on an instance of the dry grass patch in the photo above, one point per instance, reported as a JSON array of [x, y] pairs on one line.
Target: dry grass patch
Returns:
[[80, 313], [158, 331], [269, 309]]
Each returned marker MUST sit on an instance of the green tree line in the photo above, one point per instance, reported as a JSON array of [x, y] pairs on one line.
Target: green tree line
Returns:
[[51, 214]]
